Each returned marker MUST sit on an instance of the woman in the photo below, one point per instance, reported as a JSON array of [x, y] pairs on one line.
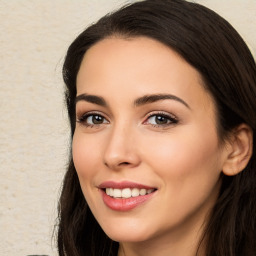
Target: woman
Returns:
[[161, 100]]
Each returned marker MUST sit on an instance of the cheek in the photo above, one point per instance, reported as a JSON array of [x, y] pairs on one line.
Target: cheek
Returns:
[[184, 156], [85, 155], [189, 170], [86, 160]]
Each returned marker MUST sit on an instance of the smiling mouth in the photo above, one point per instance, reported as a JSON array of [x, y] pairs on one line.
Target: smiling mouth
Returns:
[[125, 195], [127, 192]]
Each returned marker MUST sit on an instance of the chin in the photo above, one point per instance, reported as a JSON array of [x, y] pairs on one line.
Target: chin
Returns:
[[128, 238], [128, 233]]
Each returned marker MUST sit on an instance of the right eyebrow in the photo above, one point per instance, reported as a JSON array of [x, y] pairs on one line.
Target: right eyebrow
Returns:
[[91, 98]]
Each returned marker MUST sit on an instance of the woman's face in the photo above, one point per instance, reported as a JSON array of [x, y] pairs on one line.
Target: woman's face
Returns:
[[145, 145]]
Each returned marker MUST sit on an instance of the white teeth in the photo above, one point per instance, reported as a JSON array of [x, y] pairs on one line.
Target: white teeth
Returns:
[[117, 193], [135, 192], [150, 190], [127, 192], [143, 192]]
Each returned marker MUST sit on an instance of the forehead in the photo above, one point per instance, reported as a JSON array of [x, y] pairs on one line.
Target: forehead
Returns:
[[139, 65]]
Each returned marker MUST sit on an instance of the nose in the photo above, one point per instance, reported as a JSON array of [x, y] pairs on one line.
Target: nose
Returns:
[[121, 150]]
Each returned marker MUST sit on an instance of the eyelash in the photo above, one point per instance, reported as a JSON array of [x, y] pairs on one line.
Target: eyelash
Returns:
[[83, 119], [171, 120]]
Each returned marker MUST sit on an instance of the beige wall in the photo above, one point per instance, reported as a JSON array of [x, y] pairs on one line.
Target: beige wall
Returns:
[[34, 138]]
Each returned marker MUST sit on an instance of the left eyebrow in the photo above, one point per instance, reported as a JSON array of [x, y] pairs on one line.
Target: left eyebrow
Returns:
[[146, 99]]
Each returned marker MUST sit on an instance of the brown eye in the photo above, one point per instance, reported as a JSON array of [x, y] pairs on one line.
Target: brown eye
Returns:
[[161, 120], [93, 119]]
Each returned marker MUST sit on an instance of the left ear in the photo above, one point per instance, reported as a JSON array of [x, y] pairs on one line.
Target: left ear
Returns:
[[240, 144]]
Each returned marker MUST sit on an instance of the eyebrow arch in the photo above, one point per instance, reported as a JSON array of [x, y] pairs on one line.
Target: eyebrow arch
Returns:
[[91, 98], [146, 99]]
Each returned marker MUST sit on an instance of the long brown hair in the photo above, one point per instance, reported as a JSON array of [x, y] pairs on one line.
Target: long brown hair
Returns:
[[215, 49]]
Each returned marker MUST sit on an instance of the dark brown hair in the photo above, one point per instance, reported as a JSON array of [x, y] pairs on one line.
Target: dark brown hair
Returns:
[[215, 49]]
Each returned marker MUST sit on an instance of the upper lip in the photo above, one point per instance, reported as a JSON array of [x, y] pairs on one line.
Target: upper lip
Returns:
[[123, 184]]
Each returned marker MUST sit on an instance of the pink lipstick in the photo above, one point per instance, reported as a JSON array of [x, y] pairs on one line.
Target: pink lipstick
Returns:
[[124, 196]]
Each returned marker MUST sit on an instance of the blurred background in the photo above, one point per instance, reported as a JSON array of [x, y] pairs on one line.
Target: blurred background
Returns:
[[34, 132]]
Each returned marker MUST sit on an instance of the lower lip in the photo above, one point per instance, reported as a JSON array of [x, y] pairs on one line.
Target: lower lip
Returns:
[[124, 204]]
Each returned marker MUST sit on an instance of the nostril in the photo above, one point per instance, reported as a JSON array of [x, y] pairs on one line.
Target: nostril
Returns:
[[124, 163]]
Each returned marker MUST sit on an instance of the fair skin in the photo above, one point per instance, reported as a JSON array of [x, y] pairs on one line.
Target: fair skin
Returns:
[[169, 144]]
